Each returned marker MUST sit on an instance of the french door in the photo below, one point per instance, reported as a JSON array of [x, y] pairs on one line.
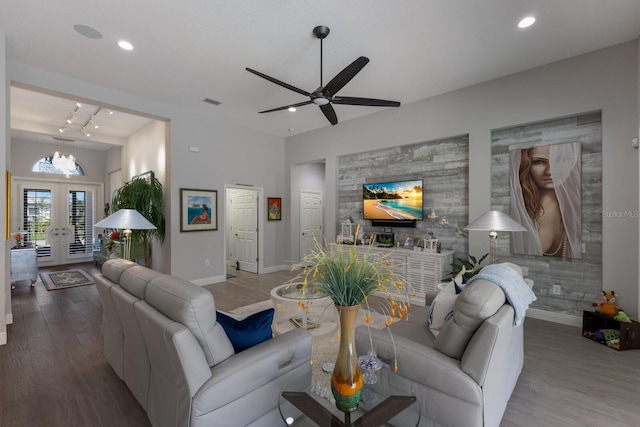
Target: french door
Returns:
[[57, 219]]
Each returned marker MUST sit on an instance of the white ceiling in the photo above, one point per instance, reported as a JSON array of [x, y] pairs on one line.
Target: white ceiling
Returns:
[[186, 51]]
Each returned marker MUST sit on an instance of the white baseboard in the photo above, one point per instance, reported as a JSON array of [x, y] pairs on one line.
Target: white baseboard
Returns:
[[275, 268], [8, 318], [3, 338], [209, 280], [550, 316]]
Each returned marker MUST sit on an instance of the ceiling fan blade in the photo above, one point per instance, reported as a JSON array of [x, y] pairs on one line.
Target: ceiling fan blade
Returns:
[[369, 102], [329, 113], [345, 76], [299, 104], [278, 82]]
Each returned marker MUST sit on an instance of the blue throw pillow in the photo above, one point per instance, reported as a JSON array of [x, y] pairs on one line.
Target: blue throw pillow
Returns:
[[247, 332]]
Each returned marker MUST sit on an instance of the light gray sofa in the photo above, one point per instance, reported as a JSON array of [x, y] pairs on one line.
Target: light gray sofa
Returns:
[[465, 376], [161, 337]]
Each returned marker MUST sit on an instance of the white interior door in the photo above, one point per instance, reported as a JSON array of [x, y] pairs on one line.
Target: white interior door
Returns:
[[310, 221], [58, 219], [243, 241]]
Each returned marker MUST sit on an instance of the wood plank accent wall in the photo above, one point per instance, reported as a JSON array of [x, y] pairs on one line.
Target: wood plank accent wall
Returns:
[[443, 165], [580, 279]]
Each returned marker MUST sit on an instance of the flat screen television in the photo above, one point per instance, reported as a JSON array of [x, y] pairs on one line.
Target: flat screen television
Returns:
[[393, 201]]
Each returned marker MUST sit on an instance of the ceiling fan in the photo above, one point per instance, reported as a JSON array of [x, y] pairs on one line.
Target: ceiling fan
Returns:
[[324, 96]]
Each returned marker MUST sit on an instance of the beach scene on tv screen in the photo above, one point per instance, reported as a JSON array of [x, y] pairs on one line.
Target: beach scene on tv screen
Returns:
[[401, 200]]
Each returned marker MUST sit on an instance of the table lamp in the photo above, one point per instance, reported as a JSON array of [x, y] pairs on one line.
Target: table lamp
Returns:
[[127, 220], [494, 221]]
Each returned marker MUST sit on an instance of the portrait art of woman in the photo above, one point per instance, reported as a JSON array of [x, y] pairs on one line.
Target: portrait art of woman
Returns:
[[545, 184]]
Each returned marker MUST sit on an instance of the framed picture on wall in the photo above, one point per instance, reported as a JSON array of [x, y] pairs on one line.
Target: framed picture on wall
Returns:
[[411, 242], [198, 210], [274, 208], [545, 184], [147, 176]]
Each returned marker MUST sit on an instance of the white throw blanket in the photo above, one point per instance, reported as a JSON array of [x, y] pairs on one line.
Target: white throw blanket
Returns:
[[515, 288]]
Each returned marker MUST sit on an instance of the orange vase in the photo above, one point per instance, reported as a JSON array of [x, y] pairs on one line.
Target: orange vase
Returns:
[[346, 380]]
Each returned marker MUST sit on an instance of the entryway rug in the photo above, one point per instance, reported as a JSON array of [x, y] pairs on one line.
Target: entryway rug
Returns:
[[65, 279]]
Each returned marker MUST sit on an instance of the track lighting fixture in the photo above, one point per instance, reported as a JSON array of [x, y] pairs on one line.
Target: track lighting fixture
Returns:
[[90, 122], [72, 115]]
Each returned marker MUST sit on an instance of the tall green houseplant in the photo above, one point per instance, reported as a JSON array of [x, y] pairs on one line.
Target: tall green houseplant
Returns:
[[146, 197]]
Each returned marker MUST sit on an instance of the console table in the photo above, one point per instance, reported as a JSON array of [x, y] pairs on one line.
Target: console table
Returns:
[[423, 270]]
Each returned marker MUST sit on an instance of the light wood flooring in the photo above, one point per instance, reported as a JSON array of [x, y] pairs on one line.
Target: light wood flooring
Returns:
[[53, 373]]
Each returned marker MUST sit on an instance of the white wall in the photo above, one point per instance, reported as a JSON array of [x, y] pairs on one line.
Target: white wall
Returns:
[[146, 151], [228, 155], [24, 154], [5, 153], [604, 80]]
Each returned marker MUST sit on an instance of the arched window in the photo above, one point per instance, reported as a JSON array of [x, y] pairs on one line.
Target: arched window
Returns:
[[45, 165]]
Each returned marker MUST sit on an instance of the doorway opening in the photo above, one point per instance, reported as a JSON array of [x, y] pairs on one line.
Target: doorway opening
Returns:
[[57, 219], [243, 231]]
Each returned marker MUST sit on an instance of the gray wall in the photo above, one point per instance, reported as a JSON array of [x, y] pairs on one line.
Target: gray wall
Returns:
[[443, 165], [580, 280], [605, 80]]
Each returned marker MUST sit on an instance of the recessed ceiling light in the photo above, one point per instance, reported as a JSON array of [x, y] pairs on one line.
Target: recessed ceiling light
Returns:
[[526, 22], [125, 45], [292, 109]]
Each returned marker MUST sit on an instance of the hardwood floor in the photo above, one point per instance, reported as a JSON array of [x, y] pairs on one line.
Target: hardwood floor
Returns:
[[53, 373]]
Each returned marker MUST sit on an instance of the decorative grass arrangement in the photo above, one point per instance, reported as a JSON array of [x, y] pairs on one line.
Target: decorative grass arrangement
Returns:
[[349, 279]]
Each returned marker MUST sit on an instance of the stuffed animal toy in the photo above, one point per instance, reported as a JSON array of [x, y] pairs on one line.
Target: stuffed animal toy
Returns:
[[624, 317], [607, 306]]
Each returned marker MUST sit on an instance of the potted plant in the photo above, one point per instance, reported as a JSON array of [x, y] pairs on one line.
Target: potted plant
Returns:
[[146, 197], [468, 267]]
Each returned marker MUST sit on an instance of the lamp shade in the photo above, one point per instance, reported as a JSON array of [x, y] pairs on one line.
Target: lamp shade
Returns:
[[495, 221], [126, 218]]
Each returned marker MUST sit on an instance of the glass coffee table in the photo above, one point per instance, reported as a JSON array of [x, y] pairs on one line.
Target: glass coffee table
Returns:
[[388, 402], [311, 310]]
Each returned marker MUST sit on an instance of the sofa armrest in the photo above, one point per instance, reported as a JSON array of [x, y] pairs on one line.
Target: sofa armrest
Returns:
[[421, 364], [253, 368]]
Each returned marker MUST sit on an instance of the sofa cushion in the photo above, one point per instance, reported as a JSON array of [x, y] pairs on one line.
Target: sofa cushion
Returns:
[[441, 308], [135, 279], [114, 268], [476, 303], [192, 306], [249, 331]]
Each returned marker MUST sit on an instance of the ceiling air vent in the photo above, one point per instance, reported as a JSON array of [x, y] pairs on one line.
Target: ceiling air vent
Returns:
[[57, 138], [211, 101]]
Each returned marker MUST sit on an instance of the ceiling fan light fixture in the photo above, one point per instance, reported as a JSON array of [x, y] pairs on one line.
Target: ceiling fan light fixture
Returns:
[[321, 101]]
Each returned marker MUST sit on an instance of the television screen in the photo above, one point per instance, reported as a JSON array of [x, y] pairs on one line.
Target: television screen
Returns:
[[393, 201]]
